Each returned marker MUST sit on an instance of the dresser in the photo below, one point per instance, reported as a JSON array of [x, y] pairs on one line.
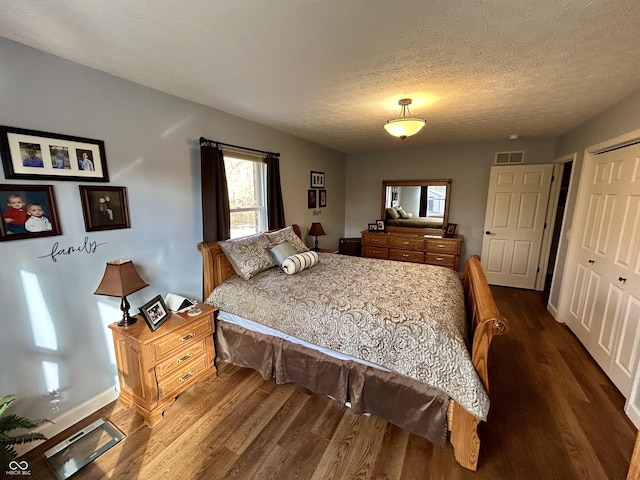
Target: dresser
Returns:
[[416, 248], [155, 367]]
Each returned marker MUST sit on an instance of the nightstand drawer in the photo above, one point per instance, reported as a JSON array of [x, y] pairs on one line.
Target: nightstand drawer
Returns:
[[182, 377], [168, 343], [443, 246], [375, 252], [375, 239], [406, 256], [441, 259], [185, 357]]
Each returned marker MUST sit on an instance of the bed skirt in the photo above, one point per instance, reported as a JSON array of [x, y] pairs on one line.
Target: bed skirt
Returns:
[[411, 405]]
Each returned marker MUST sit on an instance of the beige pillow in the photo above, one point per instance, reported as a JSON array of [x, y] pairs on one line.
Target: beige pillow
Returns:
[[392, 213], [287, 234], [248, 255]]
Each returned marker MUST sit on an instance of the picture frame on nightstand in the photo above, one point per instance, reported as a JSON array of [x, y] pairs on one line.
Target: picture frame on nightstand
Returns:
[[155, 313]]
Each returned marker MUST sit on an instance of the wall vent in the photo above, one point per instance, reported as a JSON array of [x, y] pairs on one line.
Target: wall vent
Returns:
[[508, 158]]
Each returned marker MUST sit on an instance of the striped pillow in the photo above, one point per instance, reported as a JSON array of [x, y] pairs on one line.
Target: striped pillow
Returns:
[[299, 262]]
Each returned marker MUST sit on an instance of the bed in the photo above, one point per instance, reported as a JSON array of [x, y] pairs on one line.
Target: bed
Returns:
[[320, 351]]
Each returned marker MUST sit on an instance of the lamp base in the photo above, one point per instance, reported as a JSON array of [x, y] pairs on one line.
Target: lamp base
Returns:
[[126, 318]]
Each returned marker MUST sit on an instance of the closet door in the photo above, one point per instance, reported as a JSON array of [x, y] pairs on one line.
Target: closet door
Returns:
[[604, 306]]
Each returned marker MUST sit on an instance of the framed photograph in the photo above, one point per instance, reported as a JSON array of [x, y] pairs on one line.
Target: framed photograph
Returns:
[[155, 313], [28, 211], [451, 229], [380, 224], [322, 198], [104, 208], [33, 155], [312, 198], [373, 227], [317, 179]]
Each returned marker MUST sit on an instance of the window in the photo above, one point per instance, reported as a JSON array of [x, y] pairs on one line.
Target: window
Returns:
[[246, 182]]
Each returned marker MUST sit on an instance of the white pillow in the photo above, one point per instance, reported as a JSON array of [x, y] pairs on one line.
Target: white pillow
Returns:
[[280, 251], [299, 262]]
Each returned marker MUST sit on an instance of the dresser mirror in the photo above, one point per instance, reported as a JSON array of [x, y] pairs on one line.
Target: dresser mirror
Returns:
[[416, 206]]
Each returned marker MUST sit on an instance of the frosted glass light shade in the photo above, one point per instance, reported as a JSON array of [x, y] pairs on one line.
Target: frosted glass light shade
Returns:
[[404, 127]]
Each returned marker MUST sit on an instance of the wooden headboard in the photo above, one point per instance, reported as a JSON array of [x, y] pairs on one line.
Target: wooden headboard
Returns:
[[216, 268]]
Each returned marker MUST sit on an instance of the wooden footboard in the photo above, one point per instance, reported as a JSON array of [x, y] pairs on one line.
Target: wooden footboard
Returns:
[[484, 321]]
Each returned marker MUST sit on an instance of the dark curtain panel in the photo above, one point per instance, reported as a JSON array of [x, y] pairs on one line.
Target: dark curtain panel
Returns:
[[424, 197], [216, 220], [275, 207]]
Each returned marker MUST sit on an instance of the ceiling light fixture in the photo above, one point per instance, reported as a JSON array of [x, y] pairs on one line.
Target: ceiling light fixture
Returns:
[[404, 126]]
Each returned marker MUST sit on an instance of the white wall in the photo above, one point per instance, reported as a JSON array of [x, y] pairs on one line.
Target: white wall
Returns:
[[55, 332], [467, 164]]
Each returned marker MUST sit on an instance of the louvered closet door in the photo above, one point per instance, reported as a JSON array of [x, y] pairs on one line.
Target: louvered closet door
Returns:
[[604, 308]]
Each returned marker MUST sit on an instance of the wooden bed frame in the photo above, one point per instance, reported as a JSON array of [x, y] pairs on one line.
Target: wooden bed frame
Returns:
[[484, 320]]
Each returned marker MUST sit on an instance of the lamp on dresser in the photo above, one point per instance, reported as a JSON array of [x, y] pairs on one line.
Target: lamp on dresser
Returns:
[[316, 230], [119, 280]]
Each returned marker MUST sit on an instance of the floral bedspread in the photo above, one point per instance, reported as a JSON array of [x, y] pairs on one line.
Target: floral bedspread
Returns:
[[407, 317]]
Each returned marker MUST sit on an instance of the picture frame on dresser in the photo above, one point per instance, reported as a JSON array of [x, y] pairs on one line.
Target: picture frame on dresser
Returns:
[[380, 224], [155, 313], [451, 230], [373, 227]]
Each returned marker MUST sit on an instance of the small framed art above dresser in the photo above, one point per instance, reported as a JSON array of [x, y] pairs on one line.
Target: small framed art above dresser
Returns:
[[410, 247]]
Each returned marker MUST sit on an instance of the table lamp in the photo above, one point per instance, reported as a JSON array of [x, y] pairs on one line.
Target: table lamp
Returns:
[[316, 231], [119, 280]]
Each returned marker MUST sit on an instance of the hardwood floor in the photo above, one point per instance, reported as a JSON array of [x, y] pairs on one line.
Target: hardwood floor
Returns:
[[554, 415]]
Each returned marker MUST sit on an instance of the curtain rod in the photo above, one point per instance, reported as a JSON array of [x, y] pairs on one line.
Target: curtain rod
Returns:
[[204, 140]]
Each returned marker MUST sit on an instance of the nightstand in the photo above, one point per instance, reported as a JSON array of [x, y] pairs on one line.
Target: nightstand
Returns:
[[155, 367]]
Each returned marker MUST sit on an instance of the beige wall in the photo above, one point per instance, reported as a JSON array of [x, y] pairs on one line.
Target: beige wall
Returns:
[[467, 164]]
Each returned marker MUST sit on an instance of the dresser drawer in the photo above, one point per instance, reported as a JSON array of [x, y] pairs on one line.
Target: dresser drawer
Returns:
[[443, 245], [408, 243], [406, 255], [375, 239], [184, 357], [375, 252], [175, 383], [441, 259], [168, 343]]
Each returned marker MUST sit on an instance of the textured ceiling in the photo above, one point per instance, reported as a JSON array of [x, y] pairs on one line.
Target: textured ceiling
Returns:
[[332, 71]]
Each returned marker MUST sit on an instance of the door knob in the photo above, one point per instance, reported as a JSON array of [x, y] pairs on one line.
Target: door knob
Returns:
[[488, 232], [592, 261], [622, 279]]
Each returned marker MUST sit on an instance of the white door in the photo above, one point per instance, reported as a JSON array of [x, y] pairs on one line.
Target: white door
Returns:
[[514, 223], [604, 304]]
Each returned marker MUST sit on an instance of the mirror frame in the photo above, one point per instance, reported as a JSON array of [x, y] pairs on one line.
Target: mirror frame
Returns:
[[418, 183]]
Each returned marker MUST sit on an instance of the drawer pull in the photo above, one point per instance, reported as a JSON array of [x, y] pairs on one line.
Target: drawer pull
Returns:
[[191, 335], [440, 259], [187, 376], [405, 243], [441, 245], [185, 358], [405, 255]]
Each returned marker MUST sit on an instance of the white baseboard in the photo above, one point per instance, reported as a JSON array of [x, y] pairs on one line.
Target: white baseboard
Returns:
[[553, 311], [70, 418]]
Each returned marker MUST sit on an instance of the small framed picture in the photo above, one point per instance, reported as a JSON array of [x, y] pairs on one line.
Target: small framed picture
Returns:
[[451, 229], [380, 224], [322, 198], [317, 179], [35, 155], [104, 208], [155, 313], [373, 227], [28, 211], [312, 198]]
